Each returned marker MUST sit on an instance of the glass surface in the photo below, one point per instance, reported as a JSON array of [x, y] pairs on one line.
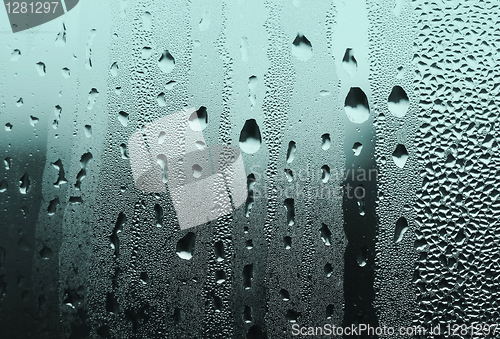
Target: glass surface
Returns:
[[249, 169]]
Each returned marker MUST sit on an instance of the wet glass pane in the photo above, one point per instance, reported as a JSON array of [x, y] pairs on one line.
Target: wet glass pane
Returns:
[[249, 169]]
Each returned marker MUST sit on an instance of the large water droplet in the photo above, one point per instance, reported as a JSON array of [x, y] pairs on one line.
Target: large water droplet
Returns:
[[356, 148], [400, 155], [287, 241], [247, 276], [114, 69], [250, 139], [198, 120], [146, 21], [24, 183], [123, 118], [349, 63], [290, 211], [290, 154], [398, 102], [158, 215], [160, 99], [362, 257], [401, 228], [328, 270], [326, 235], [302, 48], [325, 176], [15, 55], [326, 142], [166, 63], [356, 106], [185, 246], [92, 98]]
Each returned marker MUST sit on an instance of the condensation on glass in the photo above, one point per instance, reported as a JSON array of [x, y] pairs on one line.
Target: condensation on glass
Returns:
[[366, 137]]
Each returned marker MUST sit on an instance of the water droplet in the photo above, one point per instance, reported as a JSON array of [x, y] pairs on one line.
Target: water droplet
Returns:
[[362, 256], [220, 276], [185, 246], [40, 67], [401, 228], [292, 316], [326, 142], [160, 99], [400, 155], [287, 241], [219, 250], [326, 235], [146, 53], [58, 165], [15, 55], [328, 270], [123, 151], [197, 170], [284, 295], [349, 63], [398, 102], [166, 63], [249, 244], [3, 186], [123, 118], [84, 161], [46, 253], [147, 21], [290, 211], [247, 314], [8, 163], [52, 209], [158, 215], [144, 278], [114, 69], [92, 98], [325, 173], [252, 86], [162, 137], [290, 154], [198, 120], [24, 183], [356, 148], [302, 48], [61, 36], [33, 120], [356, 106], [247, 276], [88, 131], [114, 240], [170, 85], [65, 72], [250, 139]]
